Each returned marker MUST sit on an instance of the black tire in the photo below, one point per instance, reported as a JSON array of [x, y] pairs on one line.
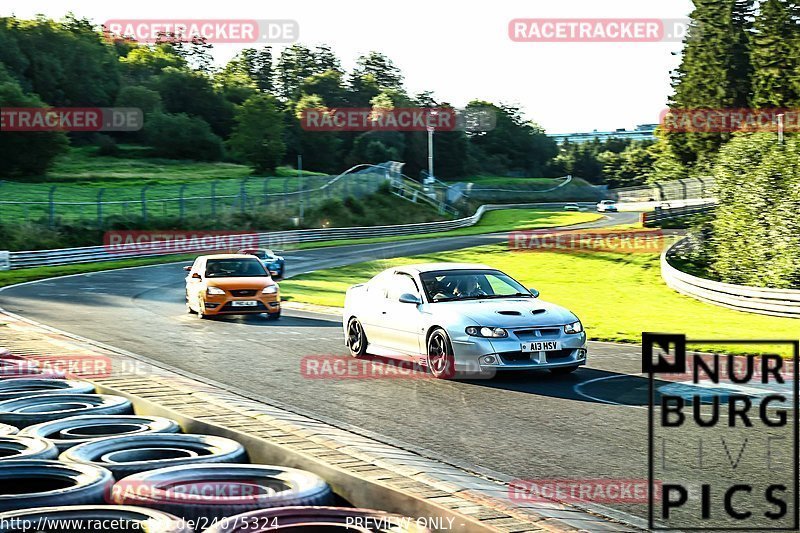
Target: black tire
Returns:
[[273, 316], [24, 412], [329, 518], [356, 338], [439, 355], [203, 493], [127, 455], [114, 518], [13, 447], [564, 370], [38, 483], [68, 432], [20, 388], [6, 429]]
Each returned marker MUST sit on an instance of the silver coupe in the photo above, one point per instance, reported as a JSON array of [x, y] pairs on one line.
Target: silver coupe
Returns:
[[460, 320]]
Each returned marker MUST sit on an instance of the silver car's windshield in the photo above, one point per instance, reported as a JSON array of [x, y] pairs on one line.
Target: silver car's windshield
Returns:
[[450, 285]]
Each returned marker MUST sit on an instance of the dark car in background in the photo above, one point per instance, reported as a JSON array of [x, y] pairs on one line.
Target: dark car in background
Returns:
[[275, 264]]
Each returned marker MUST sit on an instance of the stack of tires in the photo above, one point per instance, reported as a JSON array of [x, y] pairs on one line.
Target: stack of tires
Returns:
[[66, 453]]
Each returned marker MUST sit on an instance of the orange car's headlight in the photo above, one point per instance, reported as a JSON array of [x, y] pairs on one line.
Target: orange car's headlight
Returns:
[[272, 289], [215, 290]]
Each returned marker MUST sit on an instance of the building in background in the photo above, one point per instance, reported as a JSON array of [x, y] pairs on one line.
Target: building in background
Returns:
[[642, 132]]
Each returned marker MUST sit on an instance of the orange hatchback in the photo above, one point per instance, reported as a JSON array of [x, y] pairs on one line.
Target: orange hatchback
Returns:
[[231, 284]]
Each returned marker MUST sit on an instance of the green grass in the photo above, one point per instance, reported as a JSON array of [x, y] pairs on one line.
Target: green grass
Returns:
[[617, 296], [491, 222], [81, 178], [12, 277], [132, 166]]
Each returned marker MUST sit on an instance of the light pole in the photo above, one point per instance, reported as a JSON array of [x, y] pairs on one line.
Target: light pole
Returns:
[[780, 128], [431, 128]]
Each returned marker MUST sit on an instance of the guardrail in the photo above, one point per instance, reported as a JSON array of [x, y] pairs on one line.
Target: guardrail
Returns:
[[775, 302], [667, 190], [92, 254], [661, 213]]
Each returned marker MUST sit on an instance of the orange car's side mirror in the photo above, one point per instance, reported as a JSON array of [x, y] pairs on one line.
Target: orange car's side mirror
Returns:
[[196, 276]]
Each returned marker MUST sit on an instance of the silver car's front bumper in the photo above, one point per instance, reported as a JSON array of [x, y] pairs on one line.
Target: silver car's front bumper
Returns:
[[477, 354]]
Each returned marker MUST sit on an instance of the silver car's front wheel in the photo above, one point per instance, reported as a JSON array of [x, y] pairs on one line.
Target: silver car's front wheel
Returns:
[[356, 339], [441, 361]]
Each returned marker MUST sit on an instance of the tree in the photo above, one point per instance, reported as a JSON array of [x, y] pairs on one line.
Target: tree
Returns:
[[186, 91], [382, 70], [147, 100], [775, 56], [65, 64], [328, 86], [180, 136], [714, 72], [296, 63], [25, 153], [235, 82], [326, 60], [259, 67], [144, 62], [516, 144], [756, 230], [321, 150], [257, 136]]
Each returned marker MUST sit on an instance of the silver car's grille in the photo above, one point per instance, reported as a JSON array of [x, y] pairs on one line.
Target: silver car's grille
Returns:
[[537, 333]]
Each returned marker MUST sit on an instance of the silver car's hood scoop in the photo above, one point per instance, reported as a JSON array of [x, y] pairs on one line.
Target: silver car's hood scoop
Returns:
[[516, 312]]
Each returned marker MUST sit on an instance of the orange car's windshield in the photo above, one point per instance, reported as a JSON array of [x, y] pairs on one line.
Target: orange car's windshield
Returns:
[[235, 268]]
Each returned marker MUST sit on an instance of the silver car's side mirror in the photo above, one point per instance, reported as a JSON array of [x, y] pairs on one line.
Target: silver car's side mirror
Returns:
[[408, 298], [534, 292]]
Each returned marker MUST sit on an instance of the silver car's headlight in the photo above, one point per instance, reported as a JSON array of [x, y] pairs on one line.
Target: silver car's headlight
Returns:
[[484, 331], [214, 290], [575, 327]]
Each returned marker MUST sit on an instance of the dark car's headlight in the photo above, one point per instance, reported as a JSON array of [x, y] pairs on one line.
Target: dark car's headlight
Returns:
[[484, 331], [575, 327]]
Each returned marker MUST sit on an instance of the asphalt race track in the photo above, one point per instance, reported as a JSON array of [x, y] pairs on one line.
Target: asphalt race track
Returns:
[[591, 424]]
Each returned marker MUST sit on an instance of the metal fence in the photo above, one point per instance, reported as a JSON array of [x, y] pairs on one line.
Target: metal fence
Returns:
[[20, 202], [667, 190], [775, 302], [661, 214]]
